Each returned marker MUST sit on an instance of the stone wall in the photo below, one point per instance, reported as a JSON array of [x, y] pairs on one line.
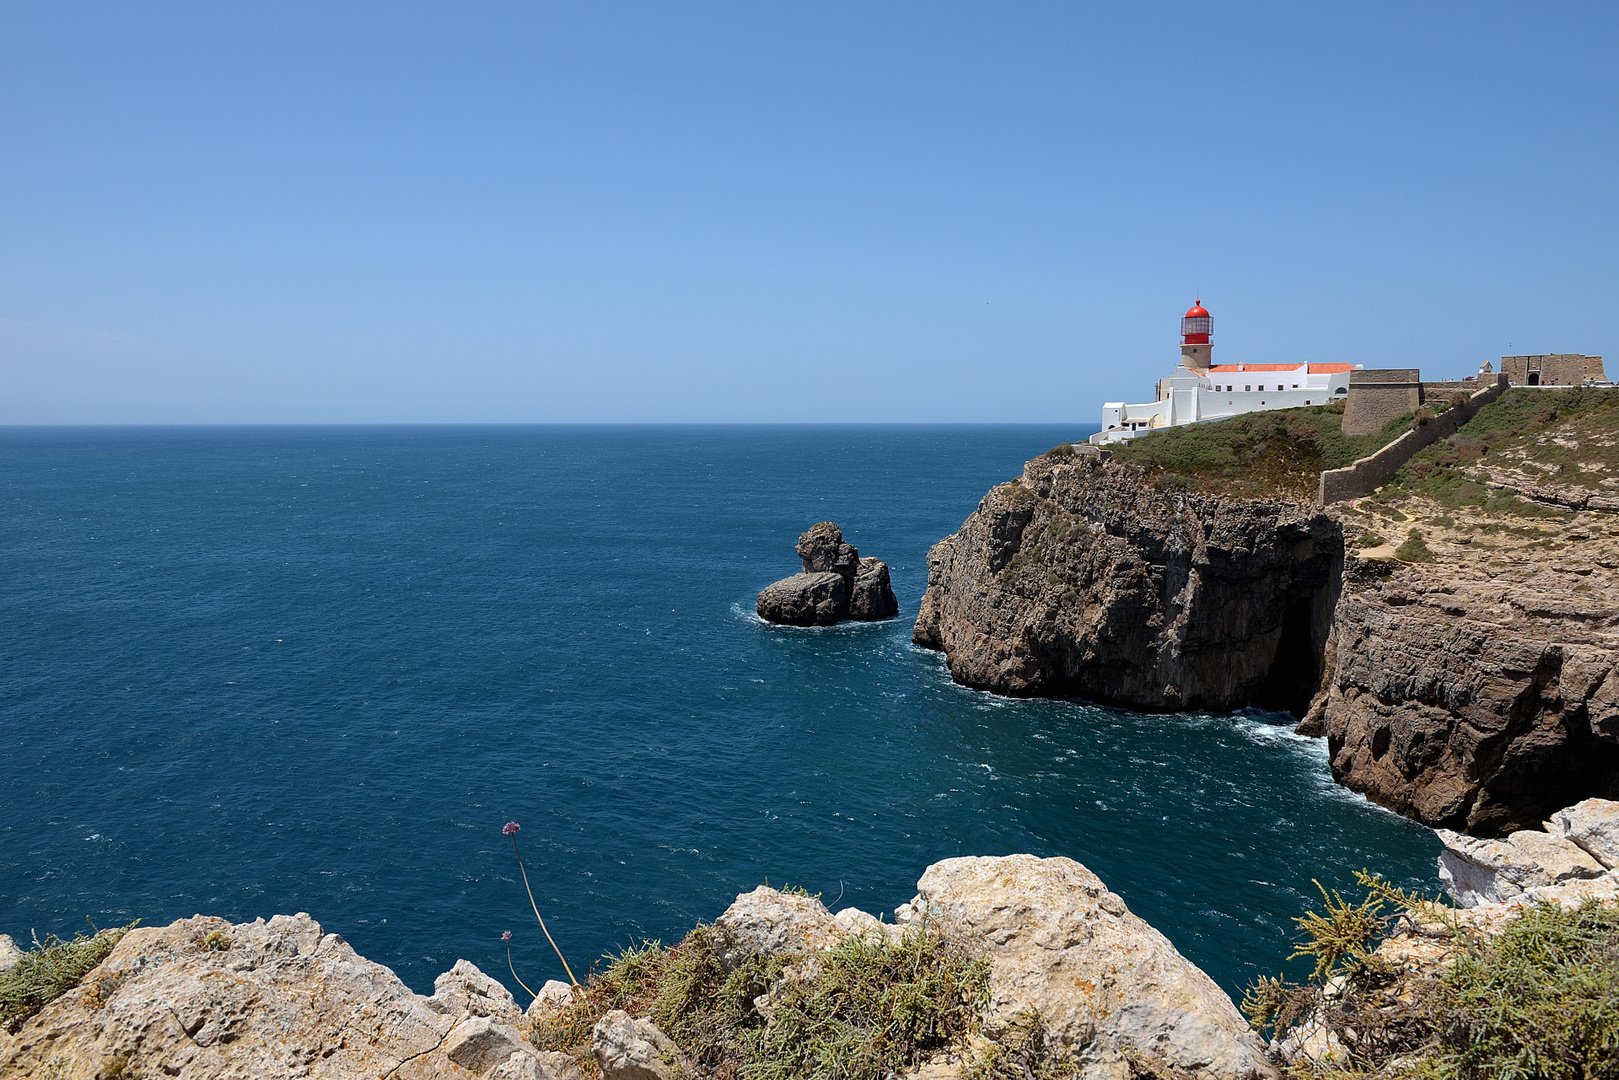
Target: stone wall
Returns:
[[1365, 475], [1379, 395], [1443, 391], [1552, 369]]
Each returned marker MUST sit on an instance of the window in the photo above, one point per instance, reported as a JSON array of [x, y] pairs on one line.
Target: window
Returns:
[[1249, 387], [1295, 386], [1341, 390]]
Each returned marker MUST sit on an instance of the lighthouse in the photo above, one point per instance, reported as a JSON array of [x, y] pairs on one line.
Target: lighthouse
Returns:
[[1197, 337], [1200, 390]]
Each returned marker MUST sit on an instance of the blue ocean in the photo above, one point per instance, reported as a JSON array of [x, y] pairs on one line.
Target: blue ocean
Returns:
[[258, 670]]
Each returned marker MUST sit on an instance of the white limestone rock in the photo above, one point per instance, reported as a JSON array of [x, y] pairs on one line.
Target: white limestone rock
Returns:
[[1477, 871], [478, 1044], [630, 1049], [277, 998], [1572, 894], [1594, 826], [1105, 983], [554, 996], [545, 1065], [465, 989], [9, 953], [766, 921], [859, 923]]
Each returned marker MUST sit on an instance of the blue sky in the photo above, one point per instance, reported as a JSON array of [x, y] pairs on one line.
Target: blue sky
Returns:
[[226, 213]]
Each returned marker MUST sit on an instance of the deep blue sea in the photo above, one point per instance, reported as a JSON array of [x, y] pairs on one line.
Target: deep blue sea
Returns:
[[256, 670]]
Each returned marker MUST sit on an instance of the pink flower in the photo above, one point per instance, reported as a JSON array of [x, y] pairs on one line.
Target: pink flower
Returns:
[[510, 829], [507, 936]]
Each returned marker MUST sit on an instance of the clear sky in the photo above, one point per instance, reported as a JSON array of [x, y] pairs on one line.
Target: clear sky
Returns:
[[686, 211]]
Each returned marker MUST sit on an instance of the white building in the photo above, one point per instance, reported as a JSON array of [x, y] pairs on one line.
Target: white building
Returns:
[[1201, 390]]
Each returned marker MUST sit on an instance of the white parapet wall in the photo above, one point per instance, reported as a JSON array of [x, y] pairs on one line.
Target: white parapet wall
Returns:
[[1194, 398]]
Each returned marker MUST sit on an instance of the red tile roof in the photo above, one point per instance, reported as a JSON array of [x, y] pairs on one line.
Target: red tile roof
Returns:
[[1315, 369]]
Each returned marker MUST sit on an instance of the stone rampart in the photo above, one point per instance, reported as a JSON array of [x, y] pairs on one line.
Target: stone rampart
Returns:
[[1379, 395], [1552, 369], [1444, 391], [1366, 474]]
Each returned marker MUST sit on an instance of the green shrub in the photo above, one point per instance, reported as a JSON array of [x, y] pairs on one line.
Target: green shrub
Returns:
[[1538, 1001], [49, 970], [1413, 549], [867, 1008], [1519, 426]]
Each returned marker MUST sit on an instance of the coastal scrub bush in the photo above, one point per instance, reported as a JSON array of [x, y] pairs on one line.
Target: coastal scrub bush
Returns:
[[1414, 548], [866, 1008], [49, 970], [1537, 1001]]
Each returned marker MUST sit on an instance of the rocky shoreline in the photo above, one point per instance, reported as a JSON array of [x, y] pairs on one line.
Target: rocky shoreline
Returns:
[[1111, 996]]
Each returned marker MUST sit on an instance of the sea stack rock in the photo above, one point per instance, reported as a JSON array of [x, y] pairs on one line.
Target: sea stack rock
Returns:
[[836, 584]]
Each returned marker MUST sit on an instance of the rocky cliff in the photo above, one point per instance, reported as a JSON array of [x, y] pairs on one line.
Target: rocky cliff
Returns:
[[1088, 577], [1472, 681], [1463, 661]]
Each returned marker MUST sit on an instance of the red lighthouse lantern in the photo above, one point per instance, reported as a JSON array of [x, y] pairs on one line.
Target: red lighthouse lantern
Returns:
[[1197, 326]]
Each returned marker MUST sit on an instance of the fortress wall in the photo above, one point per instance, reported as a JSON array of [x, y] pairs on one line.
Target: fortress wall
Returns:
[[1552, 369], [1379, 395], [1365, 475], [1442, 391]]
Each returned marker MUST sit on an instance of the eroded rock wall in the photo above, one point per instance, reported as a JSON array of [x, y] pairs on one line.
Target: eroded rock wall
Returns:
[[1081, 577], [1475, 692]]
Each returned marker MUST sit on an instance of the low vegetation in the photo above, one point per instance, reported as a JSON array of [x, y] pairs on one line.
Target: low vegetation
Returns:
[[49, 970], [1538, 1001], [1278, 454], [1414, 548], [1528, 439], [867, 1008]]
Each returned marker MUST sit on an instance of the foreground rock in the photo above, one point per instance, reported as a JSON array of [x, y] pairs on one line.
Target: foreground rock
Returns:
[[1495, 882], [630, 1049], [9, 953], [1083, 578], [836, 584], [1108, 987], [1574, 857], [202, 998]]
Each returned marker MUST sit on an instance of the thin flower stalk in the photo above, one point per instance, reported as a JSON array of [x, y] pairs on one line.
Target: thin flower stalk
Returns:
[[510, 830], [507, 938]]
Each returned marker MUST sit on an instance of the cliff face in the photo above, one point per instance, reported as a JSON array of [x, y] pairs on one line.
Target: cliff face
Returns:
[[1477, 691], [1082, 577], [1472, 680]]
